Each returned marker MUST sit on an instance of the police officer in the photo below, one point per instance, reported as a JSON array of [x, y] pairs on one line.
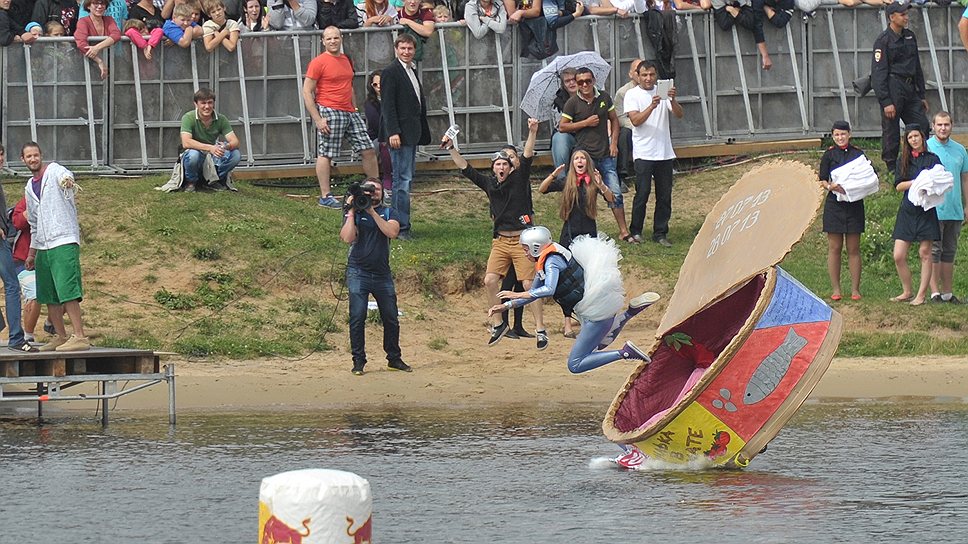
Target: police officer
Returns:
[[897, 80]]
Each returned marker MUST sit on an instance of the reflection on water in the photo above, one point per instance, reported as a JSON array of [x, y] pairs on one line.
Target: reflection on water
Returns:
[[840, 472]]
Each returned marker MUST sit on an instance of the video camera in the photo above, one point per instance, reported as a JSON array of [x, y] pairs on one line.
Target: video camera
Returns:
[[362, 195]]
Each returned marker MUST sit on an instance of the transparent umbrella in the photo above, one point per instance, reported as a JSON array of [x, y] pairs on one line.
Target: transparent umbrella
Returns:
[[538, 99]]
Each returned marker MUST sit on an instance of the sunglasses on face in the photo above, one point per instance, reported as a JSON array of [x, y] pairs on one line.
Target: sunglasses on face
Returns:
[[583, 81]]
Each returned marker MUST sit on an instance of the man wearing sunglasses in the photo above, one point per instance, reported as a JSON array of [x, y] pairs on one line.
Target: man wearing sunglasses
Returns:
[[508, 189], [590, 116]]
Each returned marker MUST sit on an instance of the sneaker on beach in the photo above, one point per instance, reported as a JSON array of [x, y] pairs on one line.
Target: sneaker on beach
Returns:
[[542, 340], [497, 332], [399, 365], [75, 343], [519, 330], [357, 369], [53, 343], [329, 201]]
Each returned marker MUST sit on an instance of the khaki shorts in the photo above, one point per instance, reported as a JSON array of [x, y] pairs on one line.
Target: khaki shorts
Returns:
[[505, 251]]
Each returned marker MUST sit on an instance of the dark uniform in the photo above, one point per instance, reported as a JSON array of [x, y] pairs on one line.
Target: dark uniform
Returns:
[[840, 217], [897, 79]]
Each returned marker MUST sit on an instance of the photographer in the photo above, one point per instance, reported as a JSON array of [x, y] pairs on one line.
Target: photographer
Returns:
[[509, 192], [368, 227]]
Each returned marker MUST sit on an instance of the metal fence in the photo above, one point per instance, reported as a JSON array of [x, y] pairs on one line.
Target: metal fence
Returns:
[[130, 122]]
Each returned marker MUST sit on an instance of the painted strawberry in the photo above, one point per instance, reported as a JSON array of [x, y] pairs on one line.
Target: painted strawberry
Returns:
[[694, 351], [720, 441]]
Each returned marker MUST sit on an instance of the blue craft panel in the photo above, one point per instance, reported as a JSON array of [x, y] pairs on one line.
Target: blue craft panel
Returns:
[[792, 303]]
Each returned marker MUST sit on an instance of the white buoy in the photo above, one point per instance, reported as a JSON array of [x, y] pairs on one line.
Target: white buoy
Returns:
[[315, 506]]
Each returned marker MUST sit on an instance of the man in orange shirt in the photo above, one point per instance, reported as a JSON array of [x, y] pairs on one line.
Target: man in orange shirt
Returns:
[[328, 96]]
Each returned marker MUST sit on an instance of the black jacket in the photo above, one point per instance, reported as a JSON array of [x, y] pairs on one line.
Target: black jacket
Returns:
[[338, 13], [403, 113]]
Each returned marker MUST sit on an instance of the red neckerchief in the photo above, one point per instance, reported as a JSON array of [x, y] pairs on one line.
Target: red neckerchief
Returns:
[[915, 154], [583, 179], [843, 148]]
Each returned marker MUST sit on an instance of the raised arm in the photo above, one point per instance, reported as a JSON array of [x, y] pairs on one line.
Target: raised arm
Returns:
[[532, 136]]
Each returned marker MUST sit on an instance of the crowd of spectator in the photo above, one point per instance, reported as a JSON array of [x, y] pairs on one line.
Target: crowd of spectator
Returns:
[[219, 22]]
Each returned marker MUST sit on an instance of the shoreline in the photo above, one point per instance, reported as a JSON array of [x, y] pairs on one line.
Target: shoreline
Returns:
[[319, 382]]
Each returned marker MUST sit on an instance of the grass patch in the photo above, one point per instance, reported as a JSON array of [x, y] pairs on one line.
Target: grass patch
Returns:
[[258, 274]]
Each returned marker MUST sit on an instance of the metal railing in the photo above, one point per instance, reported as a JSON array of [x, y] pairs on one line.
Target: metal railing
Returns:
[[130, 122]]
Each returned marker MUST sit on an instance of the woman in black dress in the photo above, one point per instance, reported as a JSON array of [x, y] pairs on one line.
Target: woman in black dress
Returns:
[[578, 204], [914, 223], [842, 221]]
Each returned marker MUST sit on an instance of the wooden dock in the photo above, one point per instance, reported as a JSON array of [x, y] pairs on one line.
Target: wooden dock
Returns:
[[53, 372]]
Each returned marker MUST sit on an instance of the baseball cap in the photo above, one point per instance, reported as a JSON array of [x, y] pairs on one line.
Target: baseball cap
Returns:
[[897, 7]]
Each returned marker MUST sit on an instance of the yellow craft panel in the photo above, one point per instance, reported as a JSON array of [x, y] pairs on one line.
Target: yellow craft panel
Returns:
[[694, 434]]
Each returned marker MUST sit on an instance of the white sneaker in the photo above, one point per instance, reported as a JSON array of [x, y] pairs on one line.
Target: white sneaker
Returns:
[[644, 300]]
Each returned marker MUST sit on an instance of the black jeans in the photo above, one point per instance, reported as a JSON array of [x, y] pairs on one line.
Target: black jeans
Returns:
[[909, 108], [645, 172], [361, 285]]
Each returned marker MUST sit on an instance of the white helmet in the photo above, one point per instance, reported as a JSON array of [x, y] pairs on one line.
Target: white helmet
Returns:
[[534, 239]]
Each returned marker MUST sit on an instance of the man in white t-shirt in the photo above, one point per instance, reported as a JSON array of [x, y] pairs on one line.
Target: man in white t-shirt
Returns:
[[651, 151]]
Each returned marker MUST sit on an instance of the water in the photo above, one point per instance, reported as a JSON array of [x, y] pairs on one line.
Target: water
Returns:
[[840, 472]]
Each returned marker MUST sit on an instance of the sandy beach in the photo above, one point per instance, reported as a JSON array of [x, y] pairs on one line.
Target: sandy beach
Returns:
[[324, 381]]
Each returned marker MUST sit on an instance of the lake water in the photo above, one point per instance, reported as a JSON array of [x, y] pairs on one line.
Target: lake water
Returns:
[[839, 472]]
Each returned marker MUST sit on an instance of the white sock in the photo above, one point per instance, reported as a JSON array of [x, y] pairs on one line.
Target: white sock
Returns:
[[946, 297]]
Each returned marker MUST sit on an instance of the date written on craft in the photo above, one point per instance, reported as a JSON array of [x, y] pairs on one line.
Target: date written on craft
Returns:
[[739, 217]]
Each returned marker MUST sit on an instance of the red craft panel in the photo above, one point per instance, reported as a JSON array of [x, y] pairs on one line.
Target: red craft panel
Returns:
[[730, 387]]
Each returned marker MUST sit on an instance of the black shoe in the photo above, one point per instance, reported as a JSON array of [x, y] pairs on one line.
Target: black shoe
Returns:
[[520, 332], [219, 186], [542, 340], [498, 332], [23, 348], [663, 241], [511, 335], [953, 300], [405, 236], [399, 365], [936, 298], [49, 328], [358, 369]]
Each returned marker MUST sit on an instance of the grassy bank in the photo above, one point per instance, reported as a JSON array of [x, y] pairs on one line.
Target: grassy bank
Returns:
[[259, 273]]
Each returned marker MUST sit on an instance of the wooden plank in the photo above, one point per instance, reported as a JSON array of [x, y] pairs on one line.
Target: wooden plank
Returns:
[[146, 364], [77, 366], [9, 369], [50, 367], [745, 148]]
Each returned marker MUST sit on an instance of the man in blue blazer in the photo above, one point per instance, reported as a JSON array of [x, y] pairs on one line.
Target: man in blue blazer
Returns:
[[404, 124]]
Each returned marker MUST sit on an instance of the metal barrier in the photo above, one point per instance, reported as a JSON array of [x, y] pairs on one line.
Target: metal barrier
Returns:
[[131, 121]]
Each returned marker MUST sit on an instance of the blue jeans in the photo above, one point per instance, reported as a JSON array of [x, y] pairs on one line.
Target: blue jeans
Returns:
[[583, 356], [11, 291], [361, 285], [562, 145], [606, 166], [193, 160], [403, 160]]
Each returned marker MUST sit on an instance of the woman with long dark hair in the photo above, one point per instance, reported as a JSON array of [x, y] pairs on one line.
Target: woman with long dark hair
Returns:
[[578, 208], [374, 119], [914, 223]]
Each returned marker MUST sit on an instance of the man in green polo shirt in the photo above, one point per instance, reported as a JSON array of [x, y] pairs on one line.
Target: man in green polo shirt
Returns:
[[205, 132]]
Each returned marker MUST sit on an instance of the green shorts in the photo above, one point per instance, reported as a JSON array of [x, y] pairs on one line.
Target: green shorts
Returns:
[[59, 274]]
